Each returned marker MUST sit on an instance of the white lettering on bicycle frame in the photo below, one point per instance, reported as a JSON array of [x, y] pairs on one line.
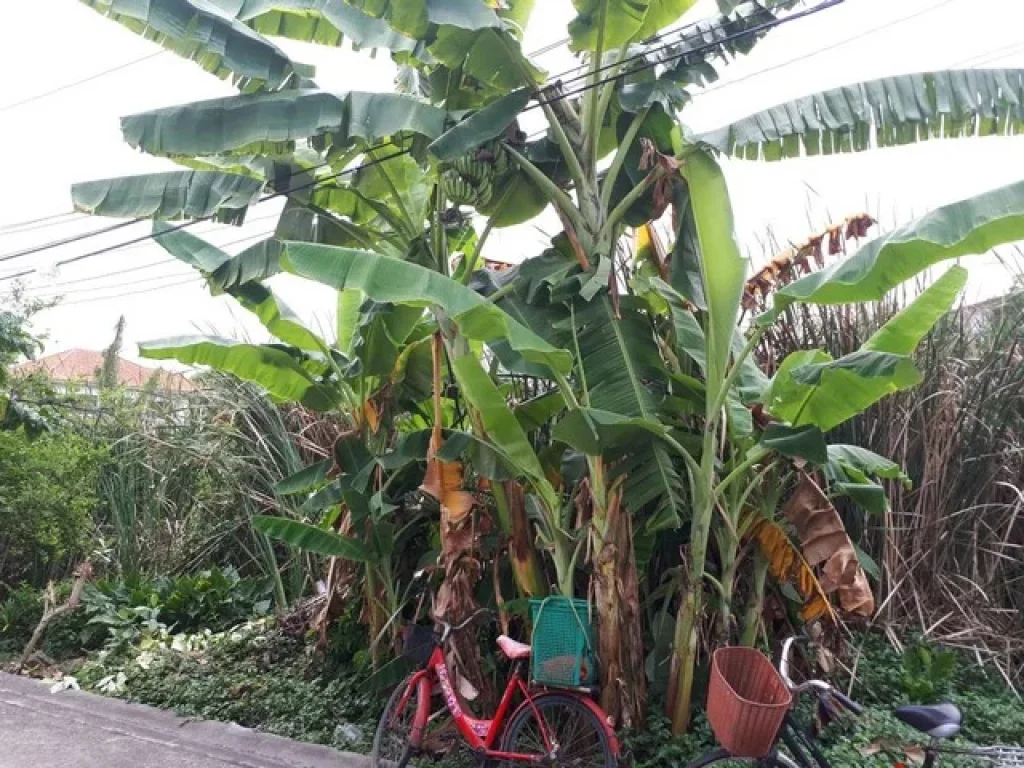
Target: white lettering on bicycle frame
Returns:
[[449, 693]]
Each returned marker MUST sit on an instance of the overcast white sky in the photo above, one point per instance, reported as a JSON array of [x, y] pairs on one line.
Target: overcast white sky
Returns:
[[74, 136]]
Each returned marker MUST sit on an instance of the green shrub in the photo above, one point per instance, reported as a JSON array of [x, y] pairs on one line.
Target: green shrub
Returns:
[[19, 614], [212, 600], [47, 494]]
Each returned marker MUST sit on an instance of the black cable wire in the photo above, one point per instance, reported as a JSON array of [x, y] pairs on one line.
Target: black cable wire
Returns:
[[67, 240], [273, 196], [775, 22], [92, 299], [23, 226], [699, 49], [642, 55], [76, 83], [830, 47], [50, 291], [17, 274]]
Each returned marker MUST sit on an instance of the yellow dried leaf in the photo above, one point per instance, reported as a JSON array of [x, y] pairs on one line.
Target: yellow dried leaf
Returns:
[[787, 564], [443, 480]]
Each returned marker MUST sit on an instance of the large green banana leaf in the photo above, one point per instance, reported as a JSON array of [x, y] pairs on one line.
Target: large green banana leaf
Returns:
[[416, 17], [624, 21], [618, 355], [257, 298], [390, 280], [812, 389], [502, 428], [171, 195], [325, 22], [669, 65], [481, 126], [722, 266], [311, 538], [887, 112], [270, 123], [966, 227], [493, 57], [201, 32], [272, 368]]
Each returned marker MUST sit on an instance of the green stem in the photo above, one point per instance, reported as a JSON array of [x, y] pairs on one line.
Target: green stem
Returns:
[[411, 227], [634, 194], [579, 356], [474, 258], [730, 379], [566, 389], [756, 454], [620, 157], [438, 231], [549, 188], [609, 87], [571, 158], [756, 606], [592, 115], [502, 292]]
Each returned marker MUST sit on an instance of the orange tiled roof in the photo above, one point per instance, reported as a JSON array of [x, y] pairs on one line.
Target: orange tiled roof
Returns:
[[82, 365]]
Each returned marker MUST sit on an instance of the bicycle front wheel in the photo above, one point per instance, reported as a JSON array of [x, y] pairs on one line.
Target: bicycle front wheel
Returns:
[[391, 746], [579, 734], [719, 758]]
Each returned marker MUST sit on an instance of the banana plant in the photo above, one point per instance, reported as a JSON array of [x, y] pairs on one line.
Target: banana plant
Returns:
[[643, 423]]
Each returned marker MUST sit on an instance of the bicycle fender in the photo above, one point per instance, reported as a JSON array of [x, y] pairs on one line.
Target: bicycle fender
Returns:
[[419, 723], [589, 703]]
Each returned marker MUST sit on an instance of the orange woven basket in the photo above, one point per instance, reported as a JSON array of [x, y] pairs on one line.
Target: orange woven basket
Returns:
[[747, 701]]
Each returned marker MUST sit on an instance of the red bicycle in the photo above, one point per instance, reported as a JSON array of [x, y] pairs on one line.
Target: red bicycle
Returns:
[[562, 727]]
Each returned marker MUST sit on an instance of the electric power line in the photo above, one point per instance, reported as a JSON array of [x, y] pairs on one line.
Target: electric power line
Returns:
[[25, 226], [818, 51], [990, 56], [71, 239], [76, 83], [91, 299], [56, 290], [540, 51], [272, 196], [699, 49]]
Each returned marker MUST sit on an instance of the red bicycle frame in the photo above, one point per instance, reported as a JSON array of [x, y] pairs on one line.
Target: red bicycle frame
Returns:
[[483, 735]]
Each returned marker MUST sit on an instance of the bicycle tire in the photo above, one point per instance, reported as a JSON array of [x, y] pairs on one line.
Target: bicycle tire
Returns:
[[597, 743], [778, 760], [387, 749]]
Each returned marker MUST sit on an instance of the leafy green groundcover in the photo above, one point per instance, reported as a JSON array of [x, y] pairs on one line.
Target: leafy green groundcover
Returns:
[[258, 678]]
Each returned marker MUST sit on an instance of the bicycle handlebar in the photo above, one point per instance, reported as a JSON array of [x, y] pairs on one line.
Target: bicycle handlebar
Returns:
[[820, 686], [447, 629]]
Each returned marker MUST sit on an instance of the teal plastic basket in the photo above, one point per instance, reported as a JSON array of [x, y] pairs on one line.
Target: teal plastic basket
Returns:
[[563, 642]]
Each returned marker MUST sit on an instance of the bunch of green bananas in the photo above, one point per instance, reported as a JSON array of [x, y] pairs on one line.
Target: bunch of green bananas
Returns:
[[470, 178]]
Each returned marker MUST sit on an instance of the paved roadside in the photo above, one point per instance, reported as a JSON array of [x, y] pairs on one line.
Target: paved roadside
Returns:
[[72, 729]]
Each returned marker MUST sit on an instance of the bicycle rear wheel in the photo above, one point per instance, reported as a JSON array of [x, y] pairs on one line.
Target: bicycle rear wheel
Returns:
[[578, 732], [719, 758]]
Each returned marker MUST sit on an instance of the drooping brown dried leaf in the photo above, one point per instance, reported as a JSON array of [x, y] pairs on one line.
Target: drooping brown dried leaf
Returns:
[[826, 544], [796, 260]]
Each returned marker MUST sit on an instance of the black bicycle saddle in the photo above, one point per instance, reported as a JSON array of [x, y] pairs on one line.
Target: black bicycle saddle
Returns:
[[939, 720]]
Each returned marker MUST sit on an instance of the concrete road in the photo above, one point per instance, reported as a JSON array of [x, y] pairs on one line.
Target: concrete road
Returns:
[[81, 730]]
